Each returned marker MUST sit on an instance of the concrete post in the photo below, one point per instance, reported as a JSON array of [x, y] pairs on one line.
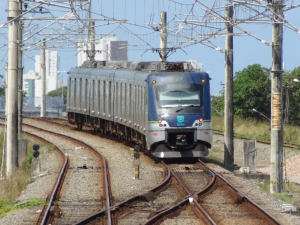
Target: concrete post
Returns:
[[20, 77], [250, 154], [228, 101], [12, 90], [276, 176], [43, 77], [22, 147], [163, 37]]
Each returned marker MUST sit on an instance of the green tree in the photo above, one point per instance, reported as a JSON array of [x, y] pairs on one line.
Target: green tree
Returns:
[[2, 87], [217, 105], [58, 92], [291, 96], [251, 90]]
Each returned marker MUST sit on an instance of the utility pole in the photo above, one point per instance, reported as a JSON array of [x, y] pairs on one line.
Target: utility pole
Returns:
[[276, 176], [43, 77], [228, 108], [12, 95], [20, 75], [92, 50], [163, 37]]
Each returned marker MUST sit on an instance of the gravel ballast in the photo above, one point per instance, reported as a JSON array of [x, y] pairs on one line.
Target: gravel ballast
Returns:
[[250, 187]]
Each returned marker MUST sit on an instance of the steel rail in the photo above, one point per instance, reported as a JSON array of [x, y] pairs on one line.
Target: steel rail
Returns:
[[201, 212], [57, 187], [117, 207], [105, 175], [242, 197], [44, 216]]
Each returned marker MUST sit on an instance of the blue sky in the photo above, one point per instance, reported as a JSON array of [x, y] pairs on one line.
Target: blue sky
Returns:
[[247, 50]]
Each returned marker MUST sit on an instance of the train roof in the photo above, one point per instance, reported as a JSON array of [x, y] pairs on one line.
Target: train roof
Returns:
[[140, 66]]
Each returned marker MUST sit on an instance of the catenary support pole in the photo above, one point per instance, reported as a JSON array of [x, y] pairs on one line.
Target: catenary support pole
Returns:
[[276, 175], [20, 75], [163, 37], [43, 77], [228, 101], [12, 95], [92, 50]]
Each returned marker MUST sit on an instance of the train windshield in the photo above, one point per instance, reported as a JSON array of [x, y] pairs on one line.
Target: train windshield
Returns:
[[184, 97]]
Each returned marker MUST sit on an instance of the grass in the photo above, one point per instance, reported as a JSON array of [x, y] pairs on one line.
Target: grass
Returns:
[[6, 206], [285, 196], [64, 122], [251, 129], [10, 188]]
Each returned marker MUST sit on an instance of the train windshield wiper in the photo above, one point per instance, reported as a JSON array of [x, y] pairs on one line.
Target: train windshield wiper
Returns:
[[178, 110]]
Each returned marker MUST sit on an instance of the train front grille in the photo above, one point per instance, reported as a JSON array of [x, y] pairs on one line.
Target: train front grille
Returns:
[[181, 138]]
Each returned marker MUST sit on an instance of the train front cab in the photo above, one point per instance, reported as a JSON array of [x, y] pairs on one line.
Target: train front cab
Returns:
[[179, 115]]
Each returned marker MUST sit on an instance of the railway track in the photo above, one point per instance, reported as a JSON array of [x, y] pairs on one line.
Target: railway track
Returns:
[[70, 200], [49, 209], [190, 193]]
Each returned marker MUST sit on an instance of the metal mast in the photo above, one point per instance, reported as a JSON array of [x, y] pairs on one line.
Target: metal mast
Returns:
[[163, 37]]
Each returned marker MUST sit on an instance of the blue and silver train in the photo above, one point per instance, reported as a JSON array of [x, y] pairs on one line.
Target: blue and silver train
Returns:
[[162, 107]]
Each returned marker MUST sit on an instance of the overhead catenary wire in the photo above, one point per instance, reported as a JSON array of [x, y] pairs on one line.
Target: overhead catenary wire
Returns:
[[211, 24]]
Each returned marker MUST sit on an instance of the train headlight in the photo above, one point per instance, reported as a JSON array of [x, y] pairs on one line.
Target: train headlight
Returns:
[[201, 120], [154, 82], [203, 80], [159, 120]]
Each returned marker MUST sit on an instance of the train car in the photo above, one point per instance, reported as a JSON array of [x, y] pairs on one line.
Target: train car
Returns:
[[162, 107]]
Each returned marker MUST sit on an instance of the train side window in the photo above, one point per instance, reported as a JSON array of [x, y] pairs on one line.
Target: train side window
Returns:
[[143, 103], [93, 96], [74, 89], [124, 102], [102, 97], [98, 96], [116, 98], [109, 97], [146, 105], [86, 94], [139, 104], [119, 100], [133, 97], [80, 83], [130, 102]]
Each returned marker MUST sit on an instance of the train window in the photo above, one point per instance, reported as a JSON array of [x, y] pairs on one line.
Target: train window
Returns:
[[137, 108], [109, 97], [133, 109], [80, 83], [93, 96], [143, 103], [103, 97], [125, 100], [98, 96], [86, 93], [183, 96], [74, 94], [130, 101]]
